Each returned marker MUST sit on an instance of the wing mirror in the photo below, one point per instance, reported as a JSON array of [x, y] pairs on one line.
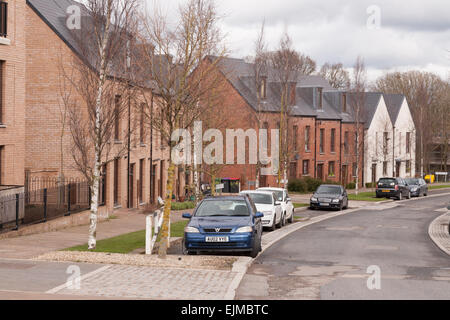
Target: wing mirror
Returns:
[[288, 199], [187, 215], [259, 215], [277, 203]]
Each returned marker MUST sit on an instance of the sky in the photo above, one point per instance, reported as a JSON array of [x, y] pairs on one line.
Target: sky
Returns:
[[391, 35]]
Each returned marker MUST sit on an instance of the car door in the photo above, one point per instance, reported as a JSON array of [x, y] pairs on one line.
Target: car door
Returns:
[[404, 188], [289, 205], [257, 221], [345, 200]]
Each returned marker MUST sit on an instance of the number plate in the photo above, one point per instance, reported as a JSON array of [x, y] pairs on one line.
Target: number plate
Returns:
[[386, 191], [217, 239], [324, 204]]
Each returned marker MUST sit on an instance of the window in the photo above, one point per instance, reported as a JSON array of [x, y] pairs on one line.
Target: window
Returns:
[[408, 166], [408, 142], [356, 142], [117, 118], [385, 164], [141, 124], [3, 19], [376, 143], [2, 68], [307, 135], [346, 142], [294, 137], [354, 170], [322, 141], [332, 140], [385, 142], [305, 167], [331, 168]]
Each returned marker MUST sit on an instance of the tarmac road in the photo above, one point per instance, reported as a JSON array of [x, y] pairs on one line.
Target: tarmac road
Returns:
[[330, 259]]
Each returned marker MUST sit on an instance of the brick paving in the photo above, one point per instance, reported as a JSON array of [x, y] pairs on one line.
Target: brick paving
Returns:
[[155, 283], [438, 231]]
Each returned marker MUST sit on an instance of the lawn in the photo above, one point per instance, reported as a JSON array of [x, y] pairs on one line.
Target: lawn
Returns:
[[365, 196], [128, 242], [300, 205], [439, 187]]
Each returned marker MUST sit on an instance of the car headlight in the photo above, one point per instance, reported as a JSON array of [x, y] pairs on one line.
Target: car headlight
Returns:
[[414, 188], [313, 199], [335, 200], [191, 230], [244, 229]]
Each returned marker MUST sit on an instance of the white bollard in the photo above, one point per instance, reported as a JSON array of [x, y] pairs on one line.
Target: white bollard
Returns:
[[148, 234]]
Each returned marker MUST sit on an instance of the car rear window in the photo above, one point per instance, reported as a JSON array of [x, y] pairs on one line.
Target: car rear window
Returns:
[[261, 198], [216, 208], [386, 182], [413, 181]]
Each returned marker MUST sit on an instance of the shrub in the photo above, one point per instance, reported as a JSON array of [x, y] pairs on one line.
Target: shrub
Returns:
[[350, 186], [297, 185], [371, 185], [177, 206]]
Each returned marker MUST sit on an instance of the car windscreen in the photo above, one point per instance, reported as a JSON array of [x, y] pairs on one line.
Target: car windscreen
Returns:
[[386, 182], [278, 194], [329, 190], [261, 198], [412, 181], [212, 208]]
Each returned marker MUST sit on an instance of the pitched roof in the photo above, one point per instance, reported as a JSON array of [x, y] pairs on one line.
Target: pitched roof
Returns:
[[371, 102], [393, 103]]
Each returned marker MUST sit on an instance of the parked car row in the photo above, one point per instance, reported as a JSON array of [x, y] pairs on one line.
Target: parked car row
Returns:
[[400, 188], [234, 223]]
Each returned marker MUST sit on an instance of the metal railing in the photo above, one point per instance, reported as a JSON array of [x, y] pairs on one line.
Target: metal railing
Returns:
[[26, 207]]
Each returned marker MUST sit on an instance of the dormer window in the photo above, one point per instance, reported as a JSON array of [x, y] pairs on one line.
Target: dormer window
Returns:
[[292, 97], [320, 106], [263, 88], [3, 19], [344, 102]]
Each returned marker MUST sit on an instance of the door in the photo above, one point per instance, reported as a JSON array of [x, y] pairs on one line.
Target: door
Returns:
[[131, 199], [374, 172], [320, 171], [397, 169], [345, 175]]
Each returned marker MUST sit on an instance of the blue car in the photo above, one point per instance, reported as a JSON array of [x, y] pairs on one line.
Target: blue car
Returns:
[[224, 224]]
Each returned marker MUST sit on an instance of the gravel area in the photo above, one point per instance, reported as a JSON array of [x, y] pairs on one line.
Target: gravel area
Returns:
[[171, 261]]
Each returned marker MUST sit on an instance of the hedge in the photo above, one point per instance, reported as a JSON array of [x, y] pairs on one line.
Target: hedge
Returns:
[[307, 184]]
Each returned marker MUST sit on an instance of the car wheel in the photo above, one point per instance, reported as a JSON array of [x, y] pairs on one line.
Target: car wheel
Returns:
[[400, 196], [291, 219], [409, 195], [279, 224], [273, 227], [425, 194], [283, 220], [255, 250]]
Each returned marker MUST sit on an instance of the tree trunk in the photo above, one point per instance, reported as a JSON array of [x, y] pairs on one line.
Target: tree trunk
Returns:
[[162, 252]]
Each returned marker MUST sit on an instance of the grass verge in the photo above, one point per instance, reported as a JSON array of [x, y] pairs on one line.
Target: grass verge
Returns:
[[365, 196], [300, 205], [128, 242], [438, 187]]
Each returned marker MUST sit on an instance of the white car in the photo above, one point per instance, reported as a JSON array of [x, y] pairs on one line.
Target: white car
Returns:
[[286, 204], [267, 203]]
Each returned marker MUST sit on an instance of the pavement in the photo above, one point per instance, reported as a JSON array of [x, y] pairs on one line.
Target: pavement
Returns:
[[297, 261], [30, 246]]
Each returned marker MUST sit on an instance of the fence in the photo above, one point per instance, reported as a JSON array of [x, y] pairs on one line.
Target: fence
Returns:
[[32, 206]]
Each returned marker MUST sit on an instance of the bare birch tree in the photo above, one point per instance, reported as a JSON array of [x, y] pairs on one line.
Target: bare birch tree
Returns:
[[183, 62], [357, 104], [97, 73]]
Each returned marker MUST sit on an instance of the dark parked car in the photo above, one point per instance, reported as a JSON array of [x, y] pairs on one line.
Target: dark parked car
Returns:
[[229, 223], [329, 196], [417, 187], [392, 188]]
